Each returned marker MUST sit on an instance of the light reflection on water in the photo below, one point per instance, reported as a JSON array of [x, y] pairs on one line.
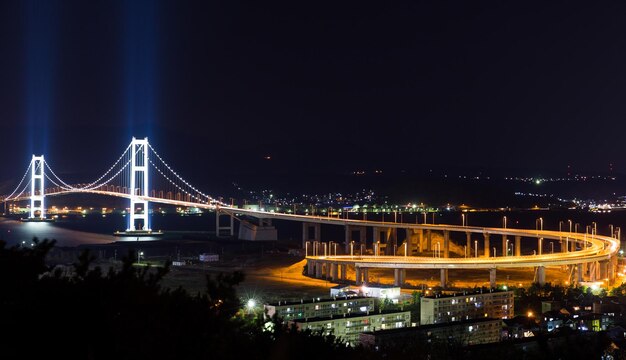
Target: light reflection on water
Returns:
[[14, 232]]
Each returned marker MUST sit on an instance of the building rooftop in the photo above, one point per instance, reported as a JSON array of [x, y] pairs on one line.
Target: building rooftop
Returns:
[[317, 300], [432, 326], [466, 293], [349, 316]]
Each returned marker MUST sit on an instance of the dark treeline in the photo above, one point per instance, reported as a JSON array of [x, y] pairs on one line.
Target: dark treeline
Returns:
[[90, 313]]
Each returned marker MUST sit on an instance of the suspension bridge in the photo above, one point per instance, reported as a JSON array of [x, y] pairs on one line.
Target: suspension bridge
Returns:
[[141, 175]]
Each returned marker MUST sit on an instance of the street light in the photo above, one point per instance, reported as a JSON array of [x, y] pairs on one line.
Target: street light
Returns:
[[552, 246], [463, 219], [504, 221], [405, 249], [494, 251], [139, 255], [476, 248], [507, 247], [352, 248], [306, 249]]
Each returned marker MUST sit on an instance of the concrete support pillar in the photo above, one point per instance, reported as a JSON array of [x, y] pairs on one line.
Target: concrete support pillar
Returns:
[[446, 243], [579, 273], [343, 273], [486, 244], [334, 273], [397, 277], [375, 238], [492, 278], [318, 232], [310, 267], [593, 272], [318, 270], [347, 239], [420, 240], [541, 275], [305, 234], [391, 241], [604, 270], [362, 238], [366, 275], [613, 269], [539, 246], [468, 243], [443, 282], [232, 225], [505, 250], [572, 244], [358, 279], [518, 245], [429, 240], [610, 271], [402, 276]]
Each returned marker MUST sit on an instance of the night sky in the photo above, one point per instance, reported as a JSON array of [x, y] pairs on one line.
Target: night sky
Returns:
[[320, 87]]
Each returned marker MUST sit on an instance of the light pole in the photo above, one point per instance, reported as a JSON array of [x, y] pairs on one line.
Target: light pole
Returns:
[[424, 217], [507, 247], [476, 248], [494, 251], [377, 248], [465, 250], [352, 248], [306, 249], [504, 221], [462, 219], [540, 221], [405, 249], [139, 255]]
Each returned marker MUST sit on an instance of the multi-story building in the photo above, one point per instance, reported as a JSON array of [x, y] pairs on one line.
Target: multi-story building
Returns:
[[448, 308], [314, 308], [348, 327], [463, 333]]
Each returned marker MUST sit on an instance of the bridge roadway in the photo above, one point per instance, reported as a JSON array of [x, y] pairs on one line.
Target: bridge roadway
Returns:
[[595, 248]]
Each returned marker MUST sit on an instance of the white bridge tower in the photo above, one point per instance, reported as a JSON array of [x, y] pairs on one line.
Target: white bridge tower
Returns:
[[139, 185], [36, 187]]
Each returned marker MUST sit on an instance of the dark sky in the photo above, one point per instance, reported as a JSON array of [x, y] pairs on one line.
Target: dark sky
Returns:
[[318, 86]]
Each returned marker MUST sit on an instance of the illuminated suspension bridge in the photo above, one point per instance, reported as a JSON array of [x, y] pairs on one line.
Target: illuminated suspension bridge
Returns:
[[141, 175]]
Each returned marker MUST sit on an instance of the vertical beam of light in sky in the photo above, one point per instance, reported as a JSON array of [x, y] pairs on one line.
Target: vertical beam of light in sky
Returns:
[[140, 63], [41, 43]]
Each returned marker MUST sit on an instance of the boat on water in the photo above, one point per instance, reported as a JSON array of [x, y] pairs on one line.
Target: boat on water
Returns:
[[37, 220], [139, 233]]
